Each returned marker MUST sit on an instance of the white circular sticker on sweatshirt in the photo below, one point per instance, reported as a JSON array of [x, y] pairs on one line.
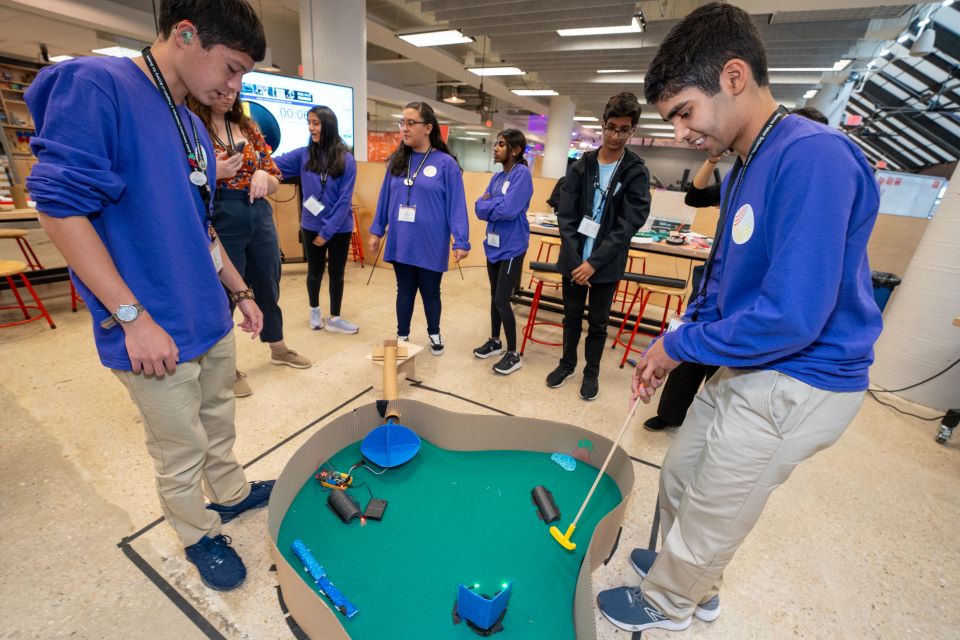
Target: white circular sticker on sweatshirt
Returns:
[[429, 171], [743, 224]]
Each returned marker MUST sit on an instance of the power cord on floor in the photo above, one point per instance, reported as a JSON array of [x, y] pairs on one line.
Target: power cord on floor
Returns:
[[873, 394], [899, 410], [936, 375]]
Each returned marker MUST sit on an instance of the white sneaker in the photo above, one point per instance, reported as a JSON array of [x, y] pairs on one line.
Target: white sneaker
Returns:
[[316, 320], [436, 344], [336, 324], [403, 338]]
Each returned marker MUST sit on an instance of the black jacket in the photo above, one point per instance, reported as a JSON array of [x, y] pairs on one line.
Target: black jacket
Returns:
[[623, 214]]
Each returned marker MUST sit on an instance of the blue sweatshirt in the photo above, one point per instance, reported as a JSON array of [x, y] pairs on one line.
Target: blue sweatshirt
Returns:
[[792, 291], [441, 206], [108, 149], [336, 197], [506, 213]]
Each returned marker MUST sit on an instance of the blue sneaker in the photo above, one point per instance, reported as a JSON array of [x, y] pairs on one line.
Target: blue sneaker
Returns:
[[626, 608], [258, 498], [642, 560], [221, 569]]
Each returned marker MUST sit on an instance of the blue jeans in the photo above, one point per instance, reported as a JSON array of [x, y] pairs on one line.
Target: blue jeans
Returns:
[[249, 237], [411, 279]]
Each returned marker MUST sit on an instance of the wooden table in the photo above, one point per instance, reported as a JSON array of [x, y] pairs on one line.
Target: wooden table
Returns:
[[677, 251]]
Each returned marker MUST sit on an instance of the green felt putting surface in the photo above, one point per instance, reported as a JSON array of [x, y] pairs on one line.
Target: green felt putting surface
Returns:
[[452, 517]]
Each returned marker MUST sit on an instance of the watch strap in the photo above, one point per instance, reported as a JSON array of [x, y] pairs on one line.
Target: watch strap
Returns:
[[114, 319]]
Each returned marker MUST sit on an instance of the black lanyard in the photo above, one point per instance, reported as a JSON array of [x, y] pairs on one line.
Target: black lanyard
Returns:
[[736, 180], [195, 156], [596, 181], [503, 180], [409, 180]]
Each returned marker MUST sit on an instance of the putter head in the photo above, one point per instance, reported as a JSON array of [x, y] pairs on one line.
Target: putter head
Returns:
[[564, 538]]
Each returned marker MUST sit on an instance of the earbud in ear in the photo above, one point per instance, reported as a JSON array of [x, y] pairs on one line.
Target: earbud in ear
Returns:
[[187, 36]]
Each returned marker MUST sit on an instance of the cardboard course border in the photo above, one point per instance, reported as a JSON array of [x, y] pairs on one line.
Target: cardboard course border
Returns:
[[458, 432]]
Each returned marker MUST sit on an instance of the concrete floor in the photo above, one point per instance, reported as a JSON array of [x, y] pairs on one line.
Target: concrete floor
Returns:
[[859, 543]]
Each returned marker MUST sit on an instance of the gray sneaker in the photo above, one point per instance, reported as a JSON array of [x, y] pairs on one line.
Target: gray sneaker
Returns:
[[643, 559], [316, 319], [336, 324]]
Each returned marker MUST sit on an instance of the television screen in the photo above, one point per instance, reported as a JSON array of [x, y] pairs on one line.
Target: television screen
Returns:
[[279, 105]]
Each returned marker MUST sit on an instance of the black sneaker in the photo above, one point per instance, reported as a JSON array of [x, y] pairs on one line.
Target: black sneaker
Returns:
[[258, 498], [509, 363], [589, 388], [558, 376], [436, 344], [220, 567], [656, 423], [488, 349]]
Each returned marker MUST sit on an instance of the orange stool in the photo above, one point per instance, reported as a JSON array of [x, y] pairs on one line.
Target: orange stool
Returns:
[[548, 243], [20, 235], [622, 294], [10, 268], [356, 245], [545, 274], [644, 291]]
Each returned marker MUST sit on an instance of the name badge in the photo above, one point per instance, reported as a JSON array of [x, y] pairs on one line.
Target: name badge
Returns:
[[493, 239], [313, 205], [216, 256], [589, 227], [503, 189], [675, 323], [408, 213]]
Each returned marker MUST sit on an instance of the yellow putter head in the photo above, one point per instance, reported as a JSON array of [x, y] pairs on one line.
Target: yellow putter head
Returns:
[[564, 538]]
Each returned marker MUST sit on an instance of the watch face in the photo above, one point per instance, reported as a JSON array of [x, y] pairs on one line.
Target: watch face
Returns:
[[127, 313]]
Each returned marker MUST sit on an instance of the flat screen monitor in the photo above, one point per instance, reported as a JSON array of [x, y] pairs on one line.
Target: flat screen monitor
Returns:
[[279, 105]]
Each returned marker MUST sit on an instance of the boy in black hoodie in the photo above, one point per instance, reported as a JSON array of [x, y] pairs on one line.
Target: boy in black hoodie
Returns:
[[605, 199]]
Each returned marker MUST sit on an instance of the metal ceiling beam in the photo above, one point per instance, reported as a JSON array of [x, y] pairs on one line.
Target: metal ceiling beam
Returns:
[[926, 126]]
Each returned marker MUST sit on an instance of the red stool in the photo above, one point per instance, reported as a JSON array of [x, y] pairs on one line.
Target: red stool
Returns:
[[20, 235], [646, 290], [548, 243], [622, 294], [10, 268], [356, 245], [550, 277], [74, 298]]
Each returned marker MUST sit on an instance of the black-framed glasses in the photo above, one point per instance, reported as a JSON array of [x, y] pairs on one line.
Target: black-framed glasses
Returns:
[[622, 132], [409, 124]]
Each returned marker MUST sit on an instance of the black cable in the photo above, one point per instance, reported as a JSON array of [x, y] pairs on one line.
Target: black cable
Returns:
[[899, 410], [955, 362]]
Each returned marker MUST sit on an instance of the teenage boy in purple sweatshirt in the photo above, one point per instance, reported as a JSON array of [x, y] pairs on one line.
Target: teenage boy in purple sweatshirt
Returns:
[[787, 313]]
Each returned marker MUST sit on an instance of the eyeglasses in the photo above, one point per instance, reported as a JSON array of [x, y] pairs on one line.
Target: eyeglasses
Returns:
[[620, 133], [409, 124]]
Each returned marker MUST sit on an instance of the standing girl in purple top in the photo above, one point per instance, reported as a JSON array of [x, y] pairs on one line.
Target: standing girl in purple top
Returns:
[[504, 206], [421, 204], [327, 174]]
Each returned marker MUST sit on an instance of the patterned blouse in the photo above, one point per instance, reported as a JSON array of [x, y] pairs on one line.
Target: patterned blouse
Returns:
[[256, 155]]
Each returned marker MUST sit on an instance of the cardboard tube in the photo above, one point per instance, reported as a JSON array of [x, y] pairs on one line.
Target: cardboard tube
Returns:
[[390, 393], [19, 196]]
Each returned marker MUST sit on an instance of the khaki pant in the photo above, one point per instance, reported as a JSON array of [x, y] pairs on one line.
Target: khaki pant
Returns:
[[743, 436], [188, 418]]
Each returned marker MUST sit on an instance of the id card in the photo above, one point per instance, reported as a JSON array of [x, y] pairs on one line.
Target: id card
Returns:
[[503, 189], [589, 227], [216, 256], [493, 239], [408, 213], [313, 205], [675, 323]]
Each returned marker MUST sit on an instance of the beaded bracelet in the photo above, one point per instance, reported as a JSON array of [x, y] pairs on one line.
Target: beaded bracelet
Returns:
[[246, 294]]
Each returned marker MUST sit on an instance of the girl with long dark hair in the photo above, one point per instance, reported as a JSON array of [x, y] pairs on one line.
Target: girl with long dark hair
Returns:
[[243, 219], [327, 174], [504, 206], [421, 204]]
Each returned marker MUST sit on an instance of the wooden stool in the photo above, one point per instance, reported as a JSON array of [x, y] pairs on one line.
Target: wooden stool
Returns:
[[548, 274], [622, 294], [10, 268], [647, 287], [356, 245], [20, 235], [548, 243]]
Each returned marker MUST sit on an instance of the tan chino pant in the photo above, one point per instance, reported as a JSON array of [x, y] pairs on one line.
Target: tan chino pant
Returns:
[[744, 434], [188, 418]]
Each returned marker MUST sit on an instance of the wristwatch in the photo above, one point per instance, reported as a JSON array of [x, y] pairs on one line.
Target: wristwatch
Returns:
[[124, 313]]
